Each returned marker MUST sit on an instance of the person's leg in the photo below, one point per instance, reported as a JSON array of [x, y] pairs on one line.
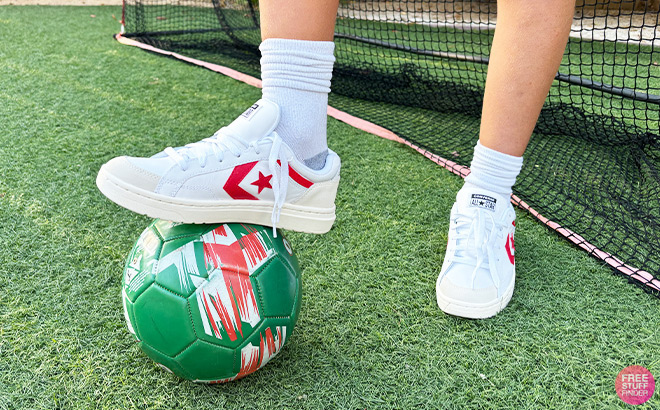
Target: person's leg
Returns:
[[529, 43], [271, 166], [478, 273], [312, 20], [296, 67]]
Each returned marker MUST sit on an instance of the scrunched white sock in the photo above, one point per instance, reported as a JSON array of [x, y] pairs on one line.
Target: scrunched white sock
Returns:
[[493, 170], [296, 76]]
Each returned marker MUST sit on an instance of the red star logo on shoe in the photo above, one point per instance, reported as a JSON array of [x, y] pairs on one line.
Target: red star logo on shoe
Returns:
[[263, 182], [511, 247]]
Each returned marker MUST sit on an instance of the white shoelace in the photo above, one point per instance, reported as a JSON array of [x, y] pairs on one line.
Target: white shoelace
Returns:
[[224, 141], [476, 240], [277, 158], [216, 144]]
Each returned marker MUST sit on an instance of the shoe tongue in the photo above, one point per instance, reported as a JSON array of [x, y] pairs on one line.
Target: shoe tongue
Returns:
[[257, 121], [482, 200]]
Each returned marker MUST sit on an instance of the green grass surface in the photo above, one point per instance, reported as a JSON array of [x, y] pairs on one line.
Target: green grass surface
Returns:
[[370, 334]]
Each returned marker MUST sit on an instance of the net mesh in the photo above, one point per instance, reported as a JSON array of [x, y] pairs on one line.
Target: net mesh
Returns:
[[418, 68]]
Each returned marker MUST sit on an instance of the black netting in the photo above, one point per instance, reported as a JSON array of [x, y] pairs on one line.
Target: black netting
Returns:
[[418, 68]]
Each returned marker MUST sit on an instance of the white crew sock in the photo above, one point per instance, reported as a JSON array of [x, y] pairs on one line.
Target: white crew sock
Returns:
[[493, 170], [296, 76]]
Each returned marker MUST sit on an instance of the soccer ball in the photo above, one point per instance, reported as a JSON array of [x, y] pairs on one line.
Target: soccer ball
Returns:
[[211, 303]]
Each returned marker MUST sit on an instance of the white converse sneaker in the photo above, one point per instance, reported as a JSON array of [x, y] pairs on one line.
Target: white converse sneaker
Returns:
[[243, 173], [479, 271]]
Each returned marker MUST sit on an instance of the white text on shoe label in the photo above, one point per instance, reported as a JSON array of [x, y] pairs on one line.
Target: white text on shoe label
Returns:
[[249, 113], [483, 201]]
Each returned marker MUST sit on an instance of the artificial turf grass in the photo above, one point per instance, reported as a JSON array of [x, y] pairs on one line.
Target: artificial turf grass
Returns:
[[370, 334]]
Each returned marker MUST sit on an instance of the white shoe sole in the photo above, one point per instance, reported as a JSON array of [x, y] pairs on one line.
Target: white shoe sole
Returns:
[[474, 310], [292, 217]]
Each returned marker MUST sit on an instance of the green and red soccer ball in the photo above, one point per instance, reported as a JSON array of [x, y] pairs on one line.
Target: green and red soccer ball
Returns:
[[211, 303]]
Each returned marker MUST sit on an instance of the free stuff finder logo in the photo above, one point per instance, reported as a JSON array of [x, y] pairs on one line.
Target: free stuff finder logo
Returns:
[[635, 385]]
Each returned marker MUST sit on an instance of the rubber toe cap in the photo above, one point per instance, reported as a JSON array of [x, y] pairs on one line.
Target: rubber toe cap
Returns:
[[451, 291], [126, 171]]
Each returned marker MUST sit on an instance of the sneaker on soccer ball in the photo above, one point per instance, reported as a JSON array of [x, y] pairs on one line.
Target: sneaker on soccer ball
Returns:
[[479, 271], [243, 173]]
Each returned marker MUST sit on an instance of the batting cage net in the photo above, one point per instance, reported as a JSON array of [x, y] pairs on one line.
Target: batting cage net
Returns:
[[417, 68]]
